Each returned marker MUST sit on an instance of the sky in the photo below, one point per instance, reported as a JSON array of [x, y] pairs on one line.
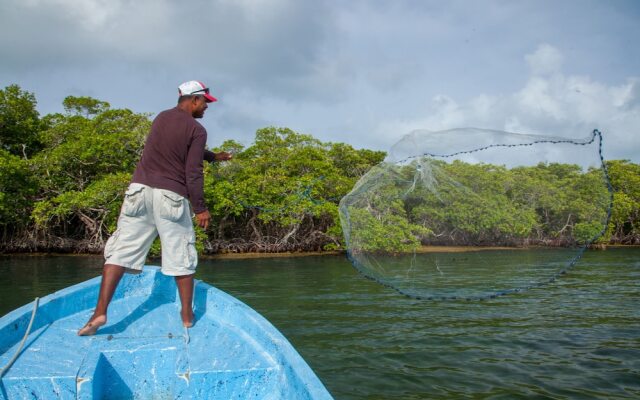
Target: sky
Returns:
[[365, 73]]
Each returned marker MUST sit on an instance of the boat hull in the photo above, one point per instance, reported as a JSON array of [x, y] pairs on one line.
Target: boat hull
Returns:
[[143, 352]]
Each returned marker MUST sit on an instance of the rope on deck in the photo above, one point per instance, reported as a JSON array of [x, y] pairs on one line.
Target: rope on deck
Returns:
[[24, 339]]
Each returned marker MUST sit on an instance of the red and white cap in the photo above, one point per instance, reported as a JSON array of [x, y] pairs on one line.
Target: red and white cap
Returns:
[[195, 88]]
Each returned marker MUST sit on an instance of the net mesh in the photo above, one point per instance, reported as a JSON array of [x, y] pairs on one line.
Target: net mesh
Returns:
[[472, 214]]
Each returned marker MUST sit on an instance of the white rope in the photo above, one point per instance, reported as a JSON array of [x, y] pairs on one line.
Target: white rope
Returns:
[[187, 339], [24, 339]]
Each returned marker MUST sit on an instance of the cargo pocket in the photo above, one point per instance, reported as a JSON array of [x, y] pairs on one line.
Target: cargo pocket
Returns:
[[111, 244], [172, 206], [191, 254], [133, 205]]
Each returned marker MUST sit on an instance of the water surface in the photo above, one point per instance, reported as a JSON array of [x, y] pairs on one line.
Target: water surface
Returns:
[[576, 338]]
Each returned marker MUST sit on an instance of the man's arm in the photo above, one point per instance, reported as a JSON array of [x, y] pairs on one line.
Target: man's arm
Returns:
[[210, 156], [193, 171]]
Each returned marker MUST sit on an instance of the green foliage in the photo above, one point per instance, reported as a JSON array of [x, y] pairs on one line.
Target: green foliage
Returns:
[[375, 213], [459, 203], [625, 218], [584, 232], [545, 204], [19, 122], [474, 206], [79, 150], [282, 192], [17, 189], [85, 106], [84, 168], [386, 233], [96, 207]]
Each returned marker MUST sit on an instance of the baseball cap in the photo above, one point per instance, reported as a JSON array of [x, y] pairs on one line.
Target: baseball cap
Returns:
[[195, 88]]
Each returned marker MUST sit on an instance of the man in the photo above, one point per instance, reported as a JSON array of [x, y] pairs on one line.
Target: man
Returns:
[[167, 178]]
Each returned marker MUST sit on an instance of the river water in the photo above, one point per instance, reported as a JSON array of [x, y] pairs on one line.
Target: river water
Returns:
[[576, 338]]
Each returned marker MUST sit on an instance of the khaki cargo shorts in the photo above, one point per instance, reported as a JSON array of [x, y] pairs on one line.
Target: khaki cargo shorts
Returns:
[[146, 213]]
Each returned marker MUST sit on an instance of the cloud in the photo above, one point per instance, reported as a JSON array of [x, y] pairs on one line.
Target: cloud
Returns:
[[364, 72], [261, 45], [550, 104], [545, 60]]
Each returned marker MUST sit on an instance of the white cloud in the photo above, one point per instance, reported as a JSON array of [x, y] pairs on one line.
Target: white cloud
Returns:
[[545, 60], [262, 45], [540, 97], [554, 104], [90, 14]]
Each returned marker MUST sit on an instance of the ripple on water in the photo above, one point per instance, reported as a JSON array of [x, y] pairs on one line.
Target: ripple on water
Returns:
[[576, 338]]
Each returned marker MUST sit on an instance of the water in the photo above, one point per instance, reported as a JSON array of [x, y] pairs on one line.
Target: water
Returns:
[[576, 338]]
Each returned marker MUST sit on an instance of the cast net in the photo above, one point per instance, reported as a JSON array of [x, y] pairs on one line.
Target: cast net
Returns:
[[472, 214]]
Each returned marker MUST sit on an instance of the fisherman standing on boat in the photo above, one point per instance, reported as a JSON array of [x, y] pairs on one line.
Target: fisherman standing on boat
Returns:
[[168, 177]]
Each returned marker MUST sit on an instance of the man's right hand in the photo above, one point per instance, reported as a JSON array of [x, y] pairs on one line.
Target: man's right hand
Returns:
[[202, 219], [223, 156]]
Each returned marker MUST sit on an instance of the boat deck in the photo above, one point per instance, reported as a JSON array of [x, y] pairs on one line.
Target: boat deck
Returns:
[[143, 351]]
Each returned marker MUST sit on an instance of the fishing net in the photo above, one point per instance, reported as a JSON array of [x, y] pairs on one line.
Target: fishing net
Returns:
[[472, 213]]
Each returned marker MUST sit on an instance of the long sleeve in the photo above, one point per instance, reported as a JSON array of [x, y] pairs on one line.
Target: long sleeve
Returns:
[[173, 156], [194, 174], [209, 156]]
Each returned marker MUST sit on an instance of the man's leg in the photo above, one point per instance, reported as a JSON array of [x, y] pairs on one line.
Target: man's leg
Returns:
[[172, 215], [111, 275], [185, 290]]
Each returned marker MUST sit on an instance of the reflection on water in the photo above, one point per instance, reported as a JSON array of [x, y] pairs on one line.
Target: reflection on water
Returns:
[[22, 278], [576, 338]]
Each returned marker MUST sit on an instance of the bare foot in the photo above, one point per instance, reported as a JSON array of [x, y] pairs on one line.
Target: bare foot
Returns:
[[92, 326], [187, 318]]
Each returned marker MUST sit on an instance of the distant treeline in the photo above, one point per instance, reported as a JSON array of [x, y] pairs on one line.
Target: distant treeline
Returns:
[[398, 208], [63, 176]]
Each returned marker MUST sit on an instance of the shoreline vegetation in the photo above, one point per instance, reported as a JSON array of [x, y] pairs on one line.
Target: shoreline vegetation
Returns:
[[63, 178]]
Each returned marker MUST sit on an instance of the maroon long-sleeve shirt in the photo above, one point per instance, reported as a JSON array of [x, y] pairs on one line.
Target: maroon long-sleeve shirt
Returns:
[[172, 156]]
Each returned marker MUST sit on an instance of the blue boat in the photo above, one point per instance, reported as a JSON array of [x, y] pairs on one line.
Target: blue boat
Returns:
[[144, 352]]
